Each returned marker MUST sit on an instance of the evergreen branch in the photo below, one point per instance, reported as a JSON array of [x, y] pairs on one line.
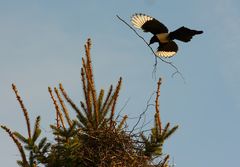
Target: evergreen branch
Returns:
[[120, 126], [165, 161], [165, 130], [83, 81], [106, 100], [31, 159], [37, 130], [46, 147], [56, 130], [91, 79], [170, 132], [106, 109], [25, 112], [57, 120], [89, 116], [57, 107], [88, 99], [156, 129], [84, 108], [20, 163], [19, 146], [100, 99], [21, 137], [85, 90], [94, 138], [64, 108], [115, 100], [69, 100], [157, 106], [95, 103], [42, 142], [144, 138], [87, 120]]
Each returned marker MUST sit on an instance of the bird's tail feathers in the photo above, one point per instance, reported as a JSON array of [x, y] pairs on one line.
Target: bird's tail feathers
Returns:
[[184, 34]]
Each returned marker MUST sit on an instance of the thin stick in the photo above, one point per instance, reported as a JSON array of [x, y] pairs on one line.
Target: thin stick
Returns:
[[156, 57], [142, 114]]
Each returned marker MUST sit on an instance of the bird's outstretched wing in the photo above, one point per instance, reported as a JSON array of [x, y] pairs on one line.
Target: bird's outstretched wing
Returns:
[[183, 34], [167, 49], [148, 24]]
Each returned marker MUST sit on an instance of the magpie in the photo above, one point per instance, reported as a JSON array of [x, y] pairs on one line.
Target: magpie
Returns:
[[167, 47]]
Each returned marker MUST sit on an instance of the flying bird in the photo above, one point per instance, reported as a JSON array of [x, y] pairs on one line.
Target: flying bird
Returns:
[[167, 47]]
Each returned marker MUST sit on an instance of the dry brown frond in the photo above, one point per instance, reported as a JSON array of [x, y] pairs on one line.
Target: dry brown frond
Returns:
[[25, 112]]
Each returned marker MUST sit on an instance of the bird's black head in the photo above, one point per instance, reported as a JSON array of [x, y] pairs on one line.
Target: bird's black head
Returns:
[[153, 39]]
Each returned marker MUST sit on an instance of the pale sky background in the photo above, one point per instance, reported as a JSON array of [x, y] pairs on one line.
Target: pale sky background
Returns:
[[41, 44]]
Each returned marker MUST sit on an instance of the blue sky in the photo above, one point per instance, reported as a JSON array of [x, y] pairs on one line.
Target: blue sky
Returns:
[[41, 44]]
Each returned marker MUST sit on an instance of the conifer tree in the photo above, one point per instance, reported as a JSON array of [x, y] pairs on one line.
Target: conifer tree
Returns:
[[95, 137]]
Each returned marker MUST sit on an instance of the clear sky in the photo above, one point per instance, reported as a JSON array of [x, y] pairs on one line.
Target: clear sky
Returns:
[[41, 44]]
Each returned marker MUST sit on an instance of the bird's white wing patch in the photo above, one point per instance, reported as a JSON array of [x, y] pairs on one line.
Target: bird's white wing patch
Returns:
[[139, 19], [165, 54]]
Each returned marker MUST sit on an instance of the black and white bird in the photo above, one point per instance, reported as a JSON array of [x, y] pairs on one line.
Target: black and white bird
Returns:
[[167, 47]]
